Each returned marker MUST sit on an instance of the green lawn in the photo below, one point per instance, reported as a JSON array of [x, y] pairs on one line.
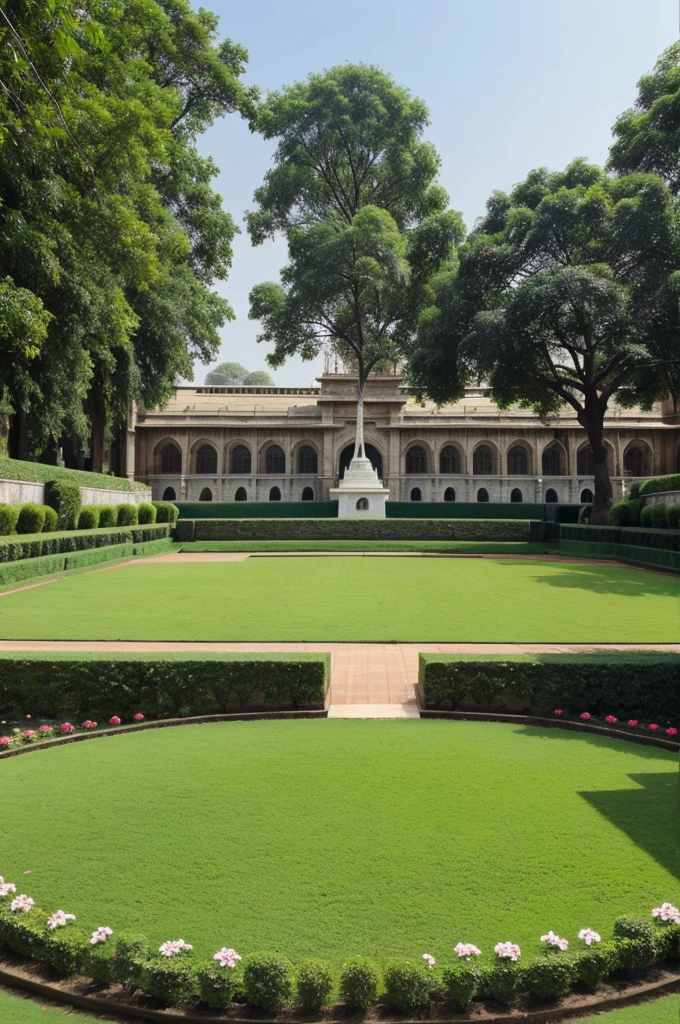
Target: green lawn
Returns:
[[445, 547], [345, 837], [370, 599], [661, 1011]]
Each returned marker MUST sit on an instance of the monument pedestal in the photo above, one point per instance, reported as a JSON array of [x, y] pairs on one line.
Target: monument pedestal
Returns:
[[360, 493]]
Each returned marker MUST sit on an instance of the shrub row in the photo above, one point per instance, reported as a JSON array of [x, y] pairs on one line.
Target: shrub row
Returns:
[[47, 565], [649, 537], [177, 687], [36, 545], [646, 687], [649, 557], [166, 512], [38, 473], [659, 484], [67, 514], [353, 529], [269, 981]]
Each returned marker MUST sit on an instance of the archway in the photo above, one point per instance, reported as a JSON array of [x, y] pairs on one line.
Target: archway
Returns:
[[449, 494], [241, 494], [551, 496], [307, 494], [169, 494], [516, 495], [482, 494], [206, 494], [587, 496], [275, 494], [371, 453], [416, 494]]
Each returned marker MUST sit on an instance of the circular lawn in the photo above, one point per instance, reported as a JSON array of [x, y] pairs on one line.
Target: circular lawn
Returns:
[[332, 838]]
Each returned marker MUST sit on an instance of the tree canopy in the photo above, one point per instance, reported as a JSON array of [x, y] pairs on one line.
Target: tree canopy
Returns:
[[227, 373]]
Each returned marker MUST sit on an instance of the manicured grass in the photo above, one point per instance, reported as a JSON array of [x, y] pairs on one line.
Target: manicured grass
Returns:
[[17, 1009], [660, 1011], [450, 547], [340, 837], [370, 599]]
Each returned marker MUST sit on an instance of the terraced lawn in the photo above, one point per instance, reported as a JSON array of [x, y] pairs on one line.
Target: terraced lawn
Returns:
[[361, 599], [340, 837]]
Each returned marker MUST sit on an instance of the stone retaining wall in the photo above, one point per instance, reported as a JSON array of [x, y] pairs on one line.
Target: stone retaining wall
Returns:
[[663, 498], [18, 492]]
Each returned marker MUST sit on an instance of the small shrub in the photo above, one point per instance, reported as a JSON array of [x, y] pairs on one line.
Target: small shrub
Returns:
[[67, 950], [214, 984], [359, 983], [98, 962], [108, 516], [502, 981], [31, 518], [584, 513], [634, 490], [9, 515], [673, 516], [130, 959], [25, 934], [127, 515], [267, 981], [619, 514], [549, 978], [461, 983], [166, 512], [88, 518], [408, 988], [170, 981], [314, 985], [667, 942], [635, 507], [646, 516], [635, 938], [593, 965], [64, 497], [146, 514], [51, 519], [659, 517]]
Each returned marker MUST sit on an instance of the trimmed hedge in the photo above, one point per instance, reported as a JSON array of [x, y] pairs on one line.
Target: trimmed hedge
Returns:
[[64, 497], [650, 558], [31, 518], [39, 473], [178, 687], [9, 515], [88, 518], [40, 544], [51, 520], [127, 515], [354, 529], [646, 686], [146, 514], [395, 510], [108, 516], [639, 536], [464, 510], [166, 511], [48, 565], [659, 484]]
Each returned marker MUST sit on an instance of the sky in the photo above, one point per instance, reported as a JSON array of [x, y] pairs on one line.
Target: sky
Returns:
[[510, 85]]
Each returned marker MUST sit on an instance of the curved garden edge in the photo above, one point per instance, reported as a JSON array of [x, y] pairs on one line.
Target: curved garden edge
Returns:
[[35, 982]]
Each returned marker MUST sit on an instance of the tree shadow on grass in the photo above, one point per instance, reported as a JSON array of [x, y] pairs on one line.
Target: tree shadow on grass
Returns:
[[598, 579], [646, 753]]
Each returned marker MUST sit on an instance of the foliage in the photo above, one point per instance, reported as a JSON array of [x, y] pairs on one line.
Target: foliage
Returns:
[[67, 950], [659, 517], [215, 984], [226, 373], [619, 514], [259, 379], [267, 981], [359, 983], [48, 565], [549, 978], [36, 472], [169, 981], [636, 945], [146, 514], [9, 516], [657, 484], [314, 984], [89, 517], [673, 517], [36, 546], [461, 983], [166, 512], [127, 515], [408, 986], [31, 518], [51, 519], [64, 497], [108, 516], [130, 959], [353, 529], [503, 981]]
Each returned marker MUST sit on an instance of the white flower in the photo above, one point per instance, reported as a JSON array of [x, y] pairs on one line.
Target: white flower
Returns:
[[22, 902], [429, 959], [226, 957], [667, 912], [589, 936], [466, 949], [172, 948], [507, 950], [101, 935], [555, 940], [6, 887], [59, 919]]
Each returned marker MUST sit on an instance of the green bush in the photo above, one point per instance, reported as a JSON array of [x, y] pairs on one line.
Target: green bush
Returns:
[[63, 543], [108, 516], [619, 514], [214, 984], [659, 517], [667, 941], [549, 978], [635, 938], [659, 484], [24, 933], [31, 518], [30, 568], [408, 986], [98, 962], [314, 985], [585, 512], [88, 518], [130, 958], [9, 516], [127, 515], [502, 981], [166, 512], [146, 513], [66, 950], [359, 982], [267, 981], [461, 983], [591, 966], [646, 516], [169, 981], [635, 507], [64, 497], [51, 520], [673, 516], [354, 529], [634, 490]]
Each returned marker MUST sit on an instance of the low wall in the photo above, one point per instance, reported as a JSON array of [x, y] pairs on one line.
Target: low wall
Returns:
[[663, 498], [19, 492]]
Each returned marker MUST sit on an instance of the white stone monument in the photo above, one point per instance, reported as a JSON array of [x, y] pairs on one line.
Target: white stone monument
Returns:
[[361, 494]]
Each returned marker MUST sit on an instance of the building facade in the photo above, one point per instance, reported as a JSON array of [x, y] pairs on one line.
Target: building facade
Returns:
[[292, 444]]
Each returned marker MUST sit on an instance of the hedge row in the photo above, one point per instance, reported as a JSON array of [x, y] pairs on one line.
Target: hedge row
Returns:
[[660, 484], [50, 687], [38, 473], [47, 565], [650, 557], [37, 545], [642, 686], [395, 510], [66, 513], [353, 529], [269, 981], [464, 510], [669, 540]]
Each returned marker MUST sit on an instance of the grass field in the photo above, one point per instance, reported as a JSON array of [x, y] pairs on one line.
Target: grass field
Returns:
[[369, 599], [339, 837], [443, 547]]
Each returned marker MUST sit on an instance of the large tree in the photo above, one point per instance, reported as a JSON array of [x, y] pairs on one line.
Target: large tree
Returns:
[[353, 189], [110, 232], [227, 373], [557, 301]]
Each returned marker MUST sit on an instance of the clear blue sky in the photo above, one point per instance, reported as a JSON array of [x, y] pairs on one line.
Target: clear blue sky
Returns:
[[510, 84]]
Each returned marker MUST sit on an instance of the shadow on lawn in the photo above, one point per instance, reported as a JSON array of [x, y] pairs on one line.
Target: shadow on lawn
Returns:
[[623, 580]]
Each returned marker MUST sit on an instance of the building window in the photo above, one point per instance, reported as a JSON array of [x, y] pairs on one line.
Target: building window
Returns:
[[307, 460], [635, 461], [275, 462], [241, 494], [587, 496], [206, 459], [482, 463], [585, 461], [552, 461], [169, 494], [449, 494], [307, 494], [416, 460], [240, 459], [171, 460], [206, 494], [416, 494], [275, 494], [449, 460], [518, 461], [362, 505], [516, 495], [482, 494], [551, 496]]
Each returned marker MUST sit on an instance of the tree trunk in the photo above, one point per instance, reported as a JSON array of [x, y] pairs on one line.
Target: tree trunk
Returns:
[[359, 444], [592, 420]]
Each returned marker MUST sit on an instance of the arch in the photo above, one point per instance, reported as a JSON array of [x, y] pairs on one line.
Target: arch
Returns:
[[275, 462], [518, 460], [449, 494], [637, 459], [274, 494], [516, 495], [372, 454], [587, 496], [450, 461], [554, 460], [307, 459], [362, 505], [483, 461], [482, 494], [416, 494], [585, 461], [206, 460], [171, 459], [169, 494], [551, 497], [240, 459], [205, 495], [241, 494], [308, 494], [416, 460]]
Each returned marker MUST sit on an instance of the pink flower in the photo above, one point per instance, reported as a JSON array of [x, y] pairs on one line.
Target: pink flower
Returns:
[[139, 717], [584, 715], [429, 960], [4, 741], [59, 919], [611, 719], [671, 731], [172, 948], [633, 722], [558, 711], [30, 734], [588, 936], [101, 935], [67, 727], [555, 940], [6, 887], [114, 720], [507, 951], [44, 729], [667, 912], [88, 724], [226, 957], [23, 903], [28, 716], [466, 949], [653, 727]]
